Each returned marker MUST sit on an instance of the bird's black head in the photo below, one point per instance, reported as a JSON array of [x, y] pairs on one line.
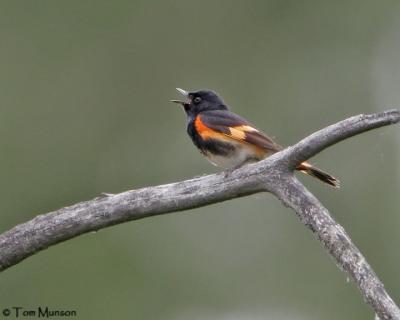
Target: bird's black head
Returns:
[[199, 101]]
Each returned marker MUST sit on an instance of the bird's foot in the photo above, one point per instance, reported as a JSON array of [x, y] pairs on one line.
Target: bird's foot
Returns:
[[228, 172]]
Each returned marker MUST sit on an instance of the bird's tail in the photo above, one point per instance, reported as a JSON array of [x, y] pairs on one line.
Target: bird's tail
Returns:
[[319, 174]]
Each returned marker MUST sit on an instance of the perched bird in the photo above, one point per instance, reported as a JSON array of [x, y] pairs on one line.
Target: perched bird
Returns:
[[228, 140]]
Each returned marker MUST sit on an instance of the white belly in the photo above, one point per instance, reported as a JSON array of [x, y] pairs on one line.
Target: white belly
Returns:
[[239, 157]]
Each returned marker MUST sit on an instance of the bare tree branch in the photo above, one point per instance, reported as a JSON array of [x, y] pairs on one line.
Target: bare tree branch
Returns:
[[274, 175], [342, 130]]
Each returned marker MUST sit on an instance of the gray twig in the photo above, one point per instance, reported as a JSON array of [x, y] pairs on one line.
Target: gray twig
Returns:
[[274, 175]]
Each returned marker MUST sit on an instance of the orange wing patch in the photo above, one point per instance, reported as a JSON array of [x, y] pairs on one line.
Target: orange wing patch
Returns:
[[235, 133], [246, 128], [239, 132], [206, 132]]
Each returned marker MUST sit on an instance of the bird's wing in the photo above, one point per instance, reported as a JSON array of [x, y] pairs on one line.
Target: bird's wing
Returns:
[[217, 124]]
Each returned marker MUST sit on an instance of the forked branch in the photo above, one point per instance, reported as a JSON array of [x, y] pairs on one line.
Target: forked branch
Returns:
[[273, 174]]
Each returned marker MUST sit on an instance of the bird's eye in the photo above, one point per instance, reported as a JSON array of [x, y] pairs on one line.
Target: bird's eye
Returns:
[[197, 100]]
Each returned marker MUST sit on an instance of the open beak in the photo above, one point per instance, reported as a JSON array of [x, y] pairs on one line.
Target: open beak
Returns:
[[185, 94]]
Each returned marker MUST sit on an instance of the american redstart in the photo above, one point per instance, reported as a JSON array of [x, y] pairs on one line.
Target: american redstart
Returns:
[[228, 140]]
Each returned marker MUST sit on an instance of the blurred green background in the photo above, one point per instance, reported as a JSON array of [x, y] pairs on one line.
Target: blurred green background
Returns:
[[84, 98]]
